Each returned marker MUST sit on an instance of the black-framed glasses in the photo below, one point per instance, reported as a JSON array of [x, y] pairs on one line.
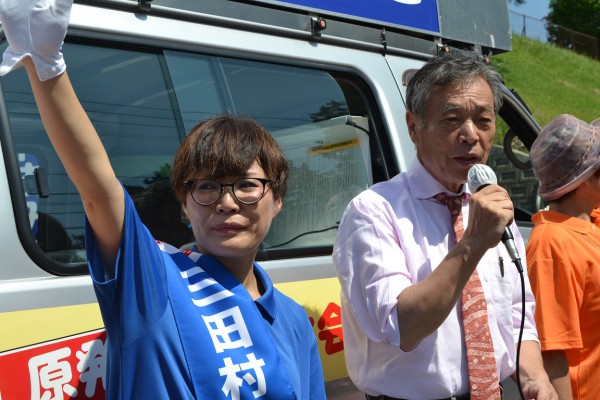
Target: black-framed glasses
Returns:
[[245, 190]]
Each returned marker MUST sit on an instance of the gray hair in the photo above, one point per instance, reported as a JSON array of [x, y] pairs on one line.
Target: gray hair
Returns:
[[454, 66]]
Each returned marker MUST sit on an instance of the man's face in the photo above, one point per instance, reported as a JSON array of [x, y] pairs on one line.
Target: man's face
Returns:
[[457, 131]]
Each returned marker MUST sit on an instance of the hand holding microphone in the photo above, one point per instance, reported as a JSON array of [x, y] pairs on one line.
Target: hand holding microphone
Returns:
[[479, 177]]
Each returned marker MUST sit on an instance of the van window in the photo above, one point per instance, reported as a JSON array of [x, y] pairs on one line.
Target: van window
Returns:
[[521, 184], [143, 102]]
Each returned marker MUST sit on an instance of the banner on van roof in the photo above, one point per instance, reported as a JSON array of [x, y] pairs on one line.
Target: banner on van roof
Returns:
[[417, 14]]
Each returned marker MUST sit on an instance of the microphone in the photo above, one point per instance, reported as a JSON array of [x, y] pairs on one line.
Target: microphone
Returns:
[[478, 177]]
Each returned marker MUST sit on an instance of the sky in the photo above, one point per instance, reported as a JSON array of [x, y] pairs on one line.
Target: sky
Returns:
[[532, 8]]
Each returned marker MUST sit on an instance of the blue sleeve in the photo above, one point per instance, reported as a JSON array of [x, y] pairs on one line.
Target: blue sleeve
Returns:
[[137, 294], [310, 367], [317, 380]]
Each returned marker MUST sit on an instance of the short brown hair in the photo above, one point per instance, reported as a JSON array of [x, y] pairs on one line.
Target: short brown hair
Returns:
[[228, 146]]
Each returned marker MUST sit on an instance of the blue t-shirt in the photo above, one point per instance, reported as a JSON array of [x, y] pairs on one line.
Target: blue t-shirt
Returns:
[[159, 347]]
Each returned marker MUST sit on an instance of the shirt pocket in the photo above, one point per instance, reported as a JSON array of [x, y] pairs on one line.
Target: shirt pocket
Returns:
[[499, 288]]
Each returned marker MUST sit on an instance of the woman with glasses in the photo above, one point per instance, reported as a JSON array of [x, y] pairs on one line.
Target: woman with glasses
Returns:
[[180, 325]]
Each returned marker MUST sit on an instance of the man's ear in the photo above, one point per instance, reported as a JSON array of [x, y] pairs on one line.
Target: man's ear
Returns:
[[411, 123]]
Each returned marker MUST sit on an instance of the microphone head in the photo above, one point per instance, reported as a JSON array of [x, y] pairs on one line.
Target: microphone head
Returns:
[[480, 175]]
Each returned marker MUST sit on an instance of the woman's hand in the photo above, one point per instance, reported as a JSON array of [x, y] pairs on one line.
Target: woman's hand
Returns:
[[35, 28]]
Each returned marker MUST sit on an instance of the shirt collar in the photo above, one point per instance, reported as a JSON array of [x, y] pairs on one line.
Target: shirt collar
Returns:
[[266, 303], [572, 223], [424, 186]]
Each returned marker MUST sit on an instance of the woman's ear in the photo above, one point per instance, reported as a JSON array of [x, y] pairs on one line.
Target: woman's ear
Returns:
[[278, 204], [184, 209], [184, 216]]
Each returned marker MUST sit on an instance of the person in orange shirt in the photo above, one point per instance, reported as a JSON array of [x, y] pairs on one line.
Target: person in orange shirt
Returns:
[[596, 211], [563, 255], [595, 217]]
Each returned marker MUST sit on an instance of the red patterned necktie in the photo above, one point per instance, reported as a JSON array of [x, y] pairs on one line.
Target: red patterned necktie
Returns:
[[481, 360]]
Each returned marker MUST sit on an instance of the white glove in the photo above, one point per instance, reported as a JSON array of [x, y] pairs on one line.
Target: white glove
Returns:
[[35, 28]]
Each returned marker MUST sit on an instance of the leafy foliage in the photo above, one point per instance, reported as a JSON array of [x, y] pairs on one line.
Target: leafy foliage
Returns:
[[579, 15], [568, 17]]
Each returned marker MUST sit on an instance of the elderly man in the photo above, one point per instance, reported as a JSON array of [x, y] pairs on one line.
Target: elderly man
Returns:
[[419, 253]]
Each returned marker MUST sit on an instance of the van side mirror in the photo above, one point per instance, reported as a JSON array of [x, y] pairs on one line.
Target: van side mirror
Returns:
[[37, 183]]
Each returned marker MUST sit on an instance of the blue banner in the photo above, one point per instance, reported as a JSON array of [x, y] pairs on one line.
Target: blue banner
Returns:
[[417, 14]]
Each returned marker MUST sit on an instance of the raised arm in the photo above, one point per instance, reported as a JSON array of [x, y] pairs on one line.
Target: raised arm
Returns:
[[67, 124], [84, 158]]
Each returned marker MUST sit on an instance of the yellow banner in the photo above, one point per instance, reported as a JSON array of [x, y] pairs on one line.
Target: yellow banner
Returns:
[[321, 300], [319, 297]]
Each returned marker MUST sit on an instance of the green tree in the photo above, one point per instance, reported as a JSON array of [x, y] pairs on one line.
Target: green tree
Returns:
[[163, 173], [580, 15], [568, 17], [330, 110]]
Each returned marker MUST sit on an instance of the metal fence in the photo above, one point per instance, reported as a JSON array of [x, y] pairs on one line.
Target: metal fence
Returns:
[[546, 32]]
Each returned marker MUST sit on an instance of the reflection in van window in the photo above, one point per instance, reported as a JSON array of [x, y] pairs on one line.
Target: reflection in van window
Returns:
[[307, 112], [142, 104]]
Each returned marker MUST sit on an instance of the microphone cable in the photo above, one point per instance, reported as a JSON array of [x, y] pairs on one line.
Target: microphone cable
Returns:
[[522, 326], [478, 177]]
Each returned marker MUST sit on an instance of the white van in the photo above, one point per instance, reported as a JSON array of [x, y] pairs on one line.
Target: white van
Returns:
[[327, 78]]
